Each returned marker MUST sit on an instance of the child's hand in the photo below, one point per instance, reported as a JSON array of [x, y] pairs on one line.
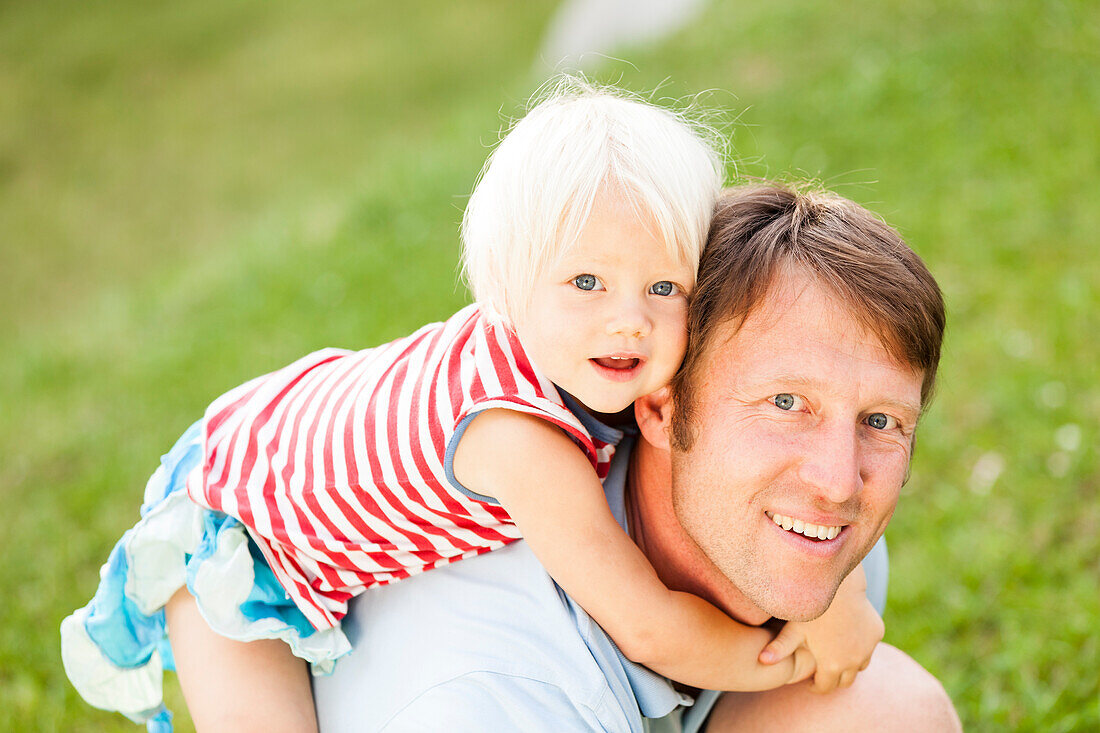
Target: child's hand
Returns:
[[842, 639]]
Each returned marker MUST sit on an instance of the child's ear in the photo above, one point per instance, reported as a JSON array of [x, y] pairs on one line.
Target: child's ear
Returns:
[[653, 412]]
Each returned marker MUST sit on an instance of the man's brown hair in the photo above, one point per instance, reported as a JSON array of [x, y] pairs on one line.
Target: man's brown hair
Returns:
[[761, 231]]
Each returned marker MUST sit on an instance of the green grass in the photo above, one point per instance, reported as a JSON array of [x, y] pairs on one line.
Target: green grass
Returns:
[[194, 194]]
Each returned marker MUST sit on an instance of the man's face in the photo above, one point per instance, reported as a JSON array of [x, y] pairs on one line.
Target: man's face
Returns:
[[803, 426]]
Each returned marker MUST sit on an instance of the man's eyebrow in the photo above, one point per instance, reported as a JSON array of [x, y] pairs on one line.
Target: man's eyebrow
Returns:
[[787, 380], [908, 408]]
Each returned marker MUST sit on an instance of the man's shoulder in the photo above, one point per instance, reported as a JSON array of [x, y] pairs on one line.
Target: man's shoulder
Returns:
[[485, 700], [491, 631]]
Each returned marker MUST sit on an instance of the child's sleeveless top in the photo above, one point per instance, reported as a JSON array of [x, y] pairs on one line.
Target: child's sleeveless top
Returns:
[[340, 463]]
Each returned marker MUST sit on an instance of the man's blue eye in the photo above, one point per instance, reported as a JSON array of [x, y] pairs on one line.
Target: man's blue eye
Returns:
[[585, 282], [784, 401], [663, 287], [878, 421]]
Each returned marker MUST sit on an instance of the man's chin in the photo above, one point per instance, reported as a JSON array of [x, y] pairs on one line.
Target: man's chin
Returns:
[[795, 602]]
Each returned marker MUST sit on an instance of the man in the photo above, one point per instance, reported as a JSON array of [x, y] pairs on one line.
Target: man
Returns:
[[762, 477]]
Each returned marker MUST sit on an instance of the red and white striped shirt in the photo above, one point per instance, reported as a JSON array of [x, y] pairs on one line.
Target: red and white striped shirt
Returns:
[[338, 463]]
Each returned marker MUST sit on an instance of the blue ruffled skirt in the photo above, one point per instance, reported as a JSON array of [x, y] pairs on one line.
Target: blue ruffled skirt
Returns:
[[116, 648]]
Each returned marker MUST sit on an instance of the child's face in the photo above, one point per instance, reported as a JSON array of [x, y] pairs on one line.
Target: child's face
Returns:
[[608, 322]]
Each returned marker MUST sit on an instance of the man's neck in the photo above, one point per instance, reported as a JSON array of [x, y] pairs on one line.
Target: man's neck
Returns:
[[679, 562]]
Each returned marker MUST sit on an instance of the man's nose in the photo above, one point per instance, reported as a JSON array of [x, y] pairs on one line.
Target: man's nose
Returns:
[[832, 465], [629, 317]]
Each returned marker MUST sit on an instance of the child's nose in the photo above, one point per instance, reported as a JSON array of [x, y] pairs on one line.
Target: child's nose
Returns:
[[630, 319]]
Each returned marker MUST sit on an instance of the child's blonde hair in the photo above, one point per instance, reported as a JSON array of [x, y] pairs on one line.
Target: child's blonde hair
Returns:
[[536, 190]]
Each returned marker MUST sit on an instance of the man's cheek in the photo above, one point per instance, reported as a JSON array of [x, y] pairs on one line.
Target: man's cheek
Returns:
[[883, 511], [707, 513], [692, 505]]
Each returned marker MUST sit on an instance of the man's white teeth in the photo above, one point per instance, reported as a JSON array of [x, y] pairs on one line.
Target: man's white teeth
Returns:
[[817, 531]]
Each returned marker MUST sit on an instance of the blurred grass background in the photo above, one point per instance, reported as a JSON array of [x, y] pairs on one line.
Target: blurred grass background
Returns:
[[193, 194]]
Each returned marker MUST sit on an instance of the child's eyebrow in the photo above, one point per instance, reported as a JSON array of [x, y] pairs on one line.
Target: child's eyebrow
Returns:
[[578, 258]]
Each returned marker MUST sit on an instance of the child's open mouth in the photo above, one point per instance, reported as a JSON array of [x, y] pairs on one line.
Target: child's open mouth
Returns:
[[617, 368], [617, 362]]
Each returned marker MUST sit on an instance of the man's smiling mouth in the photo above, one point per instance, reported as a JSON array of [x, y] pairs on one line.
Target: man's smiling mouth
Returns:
[[813, 531]]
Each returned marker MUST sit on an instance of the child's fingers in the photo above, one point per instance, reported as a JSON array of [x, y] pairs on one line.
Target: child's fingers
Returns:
[[804, 665], [782, 646], [825, 681], [847, 677]]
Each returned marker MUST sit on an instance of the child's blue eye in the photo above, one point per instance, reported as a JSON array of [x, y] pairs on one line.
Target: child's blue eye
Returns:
[[663, 287], [586, 282]]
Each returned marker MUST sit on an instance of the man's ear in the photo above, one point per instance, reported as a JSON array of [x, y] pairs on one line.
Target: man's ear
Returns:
[[653, 412]]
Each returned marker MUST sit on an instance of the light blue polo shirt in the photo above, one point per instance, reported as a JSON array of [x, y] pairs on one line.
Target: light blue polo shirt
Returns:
[[493, 644]]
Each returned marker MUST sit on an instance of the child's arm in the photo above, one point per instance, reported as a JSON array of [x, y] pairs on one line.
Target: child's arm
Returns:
[[550, 490], [233, 685], [842, 639]]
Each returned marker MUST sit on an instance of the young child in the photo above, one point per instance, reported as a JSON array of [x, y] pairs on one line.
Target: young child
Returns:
[[347, 470]]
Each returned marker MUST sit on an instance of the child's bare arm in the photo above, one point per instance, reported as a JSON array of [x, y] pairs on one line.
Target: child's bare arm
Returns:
[[232, 685], [550, 490]]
